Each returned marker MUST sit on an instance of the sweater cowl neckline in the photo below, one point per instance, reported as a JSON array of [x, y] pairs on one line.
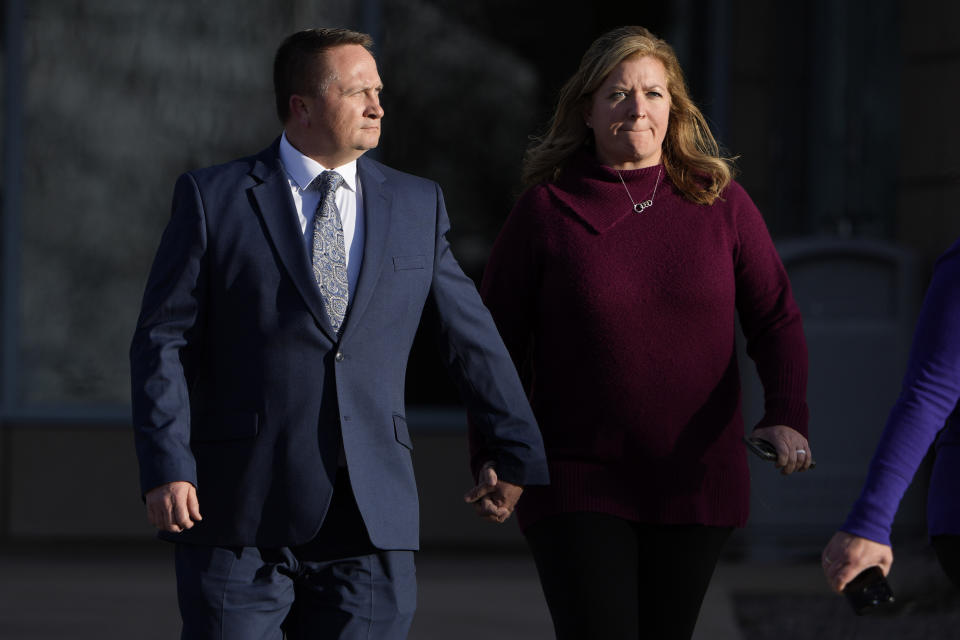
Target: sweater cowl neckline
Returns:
[[595, 193]]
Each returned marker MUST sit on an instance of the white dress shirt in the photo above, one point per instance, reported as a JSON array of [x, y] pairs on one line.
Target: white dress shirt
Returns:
[[301, 171]]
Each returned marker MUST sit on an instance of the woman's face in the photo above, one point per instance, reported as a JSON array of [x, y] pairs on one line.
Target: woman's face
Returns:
[[629, 114]]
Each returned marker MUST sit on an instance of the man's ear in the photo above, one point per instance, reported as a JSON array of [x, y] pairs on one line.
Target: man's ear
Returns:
[[300, 109]]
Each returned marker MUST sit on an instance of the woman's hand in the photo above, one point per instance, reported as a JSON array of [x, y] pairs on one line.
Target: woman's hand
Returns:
[[493, 498], [793, 450], [846, 555]]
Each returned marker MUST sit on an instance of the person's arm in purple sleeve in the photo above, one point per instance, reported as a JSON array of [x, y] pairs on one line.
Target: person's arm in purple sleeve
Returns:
[[930, 392]]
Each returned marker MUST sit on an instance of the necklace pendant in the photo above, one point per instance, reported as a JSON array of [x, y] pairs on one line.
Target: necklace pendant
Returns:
[[638, 207]]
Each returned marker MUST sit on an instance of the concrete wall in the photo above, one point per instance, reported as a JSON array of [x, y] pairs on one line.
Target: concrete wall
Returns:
[[894, 63], [928, 203]]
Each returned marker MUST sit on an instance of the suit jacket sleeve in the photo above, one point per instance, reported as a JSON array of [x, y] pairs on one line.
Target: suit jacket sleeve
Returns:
[[165, 344], [502, 425]]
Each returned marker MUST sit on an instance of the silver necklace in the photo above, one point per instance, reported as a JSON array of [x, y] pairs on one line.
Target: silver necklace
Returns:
[[640, 206]]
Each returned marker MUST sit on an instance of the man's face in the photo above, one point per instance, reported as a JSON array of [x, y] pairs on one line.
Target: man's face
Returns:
[[344, 120]]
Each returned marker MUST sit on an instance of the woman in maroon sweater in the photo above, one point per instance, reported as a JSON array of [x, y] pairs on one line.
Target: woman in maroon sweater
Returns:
[[614, 283]]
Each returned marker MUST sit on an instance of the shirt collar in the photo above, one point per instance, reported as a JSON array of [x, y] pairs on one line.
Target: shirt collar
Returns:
[[302, 170]]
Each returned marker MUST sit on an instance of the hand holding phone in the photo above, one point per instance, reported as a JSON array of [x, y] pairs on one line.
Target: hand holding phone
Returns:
[[765, 450], [868, 591]]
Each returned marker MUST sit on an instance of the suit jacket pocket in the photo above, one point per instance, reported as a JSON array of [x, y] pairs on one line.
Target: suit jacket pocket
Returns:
[[400, 429], [228, 425], [403, 263]]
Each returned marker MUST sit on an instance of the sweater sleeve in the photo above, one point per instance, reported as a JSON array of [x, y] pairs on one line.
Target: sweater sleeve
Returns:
[[930, 392], [770, 318], [512, 275], [509, 288]]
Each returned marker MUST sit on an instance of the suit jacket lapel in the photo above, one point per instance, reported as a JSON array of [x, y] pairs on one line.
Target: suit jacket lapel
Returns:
[[376, 210], [272, 195]]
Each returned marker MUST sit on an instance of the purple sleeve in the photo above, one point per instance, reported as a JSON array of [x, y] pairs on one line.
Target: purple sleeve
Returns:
[[930, 392]]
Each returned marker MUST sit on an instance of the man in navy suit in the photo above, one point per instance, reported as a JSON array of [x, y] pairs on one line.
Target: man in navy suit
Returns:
[[268, 369]]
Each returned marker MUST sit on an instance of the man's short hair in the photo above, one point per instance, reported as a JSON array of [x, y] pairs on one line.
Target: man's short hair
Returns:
[[296, 68]]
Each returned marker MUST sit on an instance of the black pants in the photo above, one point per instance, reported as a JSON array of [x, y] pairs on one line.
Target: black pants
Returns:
[[605, 577], [948, 553]]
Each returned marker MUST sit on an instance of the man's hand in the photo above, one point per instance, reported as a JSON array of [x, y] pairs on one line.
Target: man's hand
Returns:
[[846, 555], [493, 499], [173, 506], [793, 450]]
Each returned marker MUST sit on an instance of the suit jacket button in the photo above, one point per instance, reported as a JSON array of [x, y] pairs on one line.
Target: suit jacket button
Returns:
[[339, 356]]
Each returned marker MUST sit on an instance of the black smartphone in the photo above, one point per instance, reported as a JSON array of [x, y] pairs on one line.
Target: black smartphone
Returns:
[[868, 591], [765, 450]]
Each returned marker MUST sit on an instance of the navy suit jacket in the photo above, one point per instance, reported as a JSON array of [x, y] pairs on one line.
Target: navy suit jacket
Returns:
[[241, 387]]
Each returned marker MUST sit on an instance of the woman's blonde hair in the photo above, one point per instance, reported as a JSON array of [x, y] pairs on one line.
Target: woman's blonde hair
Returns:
[[691, 155]]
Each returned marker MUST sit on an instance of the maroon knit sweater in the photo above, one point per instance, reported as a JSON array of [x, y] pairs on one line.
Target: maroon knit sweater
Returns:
[[622, 325]]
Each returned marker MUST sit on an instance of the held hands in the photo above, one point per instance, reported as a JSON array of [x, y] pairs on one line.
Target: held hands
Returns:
[[793, 450], [493, 499], [173, 506], [846, 555]]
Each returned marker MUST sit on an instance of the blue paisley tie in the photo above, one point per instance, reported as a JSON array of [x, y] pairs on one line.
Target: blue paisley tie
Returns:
[[329, 250]]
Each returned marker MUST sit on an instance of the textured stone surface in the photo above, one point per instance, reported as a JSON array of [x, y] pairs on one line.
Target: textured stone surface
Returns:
[[120, 98]]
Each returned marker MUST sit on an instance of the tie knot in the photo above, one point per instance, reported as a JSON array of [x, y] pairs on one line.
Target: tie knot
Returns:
[[327, 182]]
